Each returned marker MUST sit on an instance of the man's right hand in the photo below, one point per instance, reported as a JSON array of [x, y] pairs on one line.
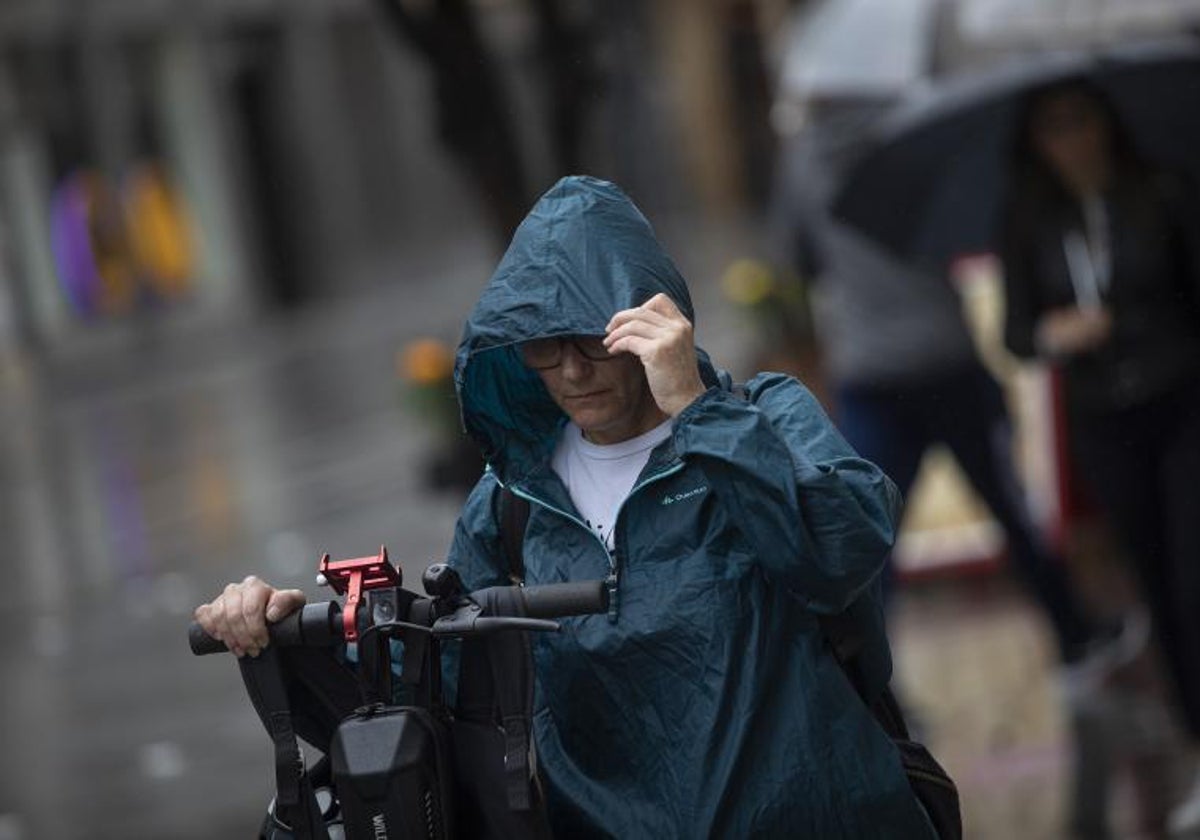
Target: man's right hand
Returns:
[[239, 616]]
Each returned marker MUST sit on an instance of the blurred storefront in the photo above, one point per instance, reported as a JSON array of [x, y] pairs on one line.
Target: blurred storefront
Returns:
[[153, 161], [166, 162]]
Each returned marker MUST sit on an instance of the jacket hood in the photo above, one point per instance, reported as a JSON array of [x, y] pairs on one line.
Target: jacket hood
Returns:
[[582, 254]]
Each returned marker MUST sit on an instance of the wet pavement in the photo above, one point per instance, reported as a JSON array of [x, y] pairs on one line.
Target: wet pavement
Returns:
[[141, 476], [134, 491]]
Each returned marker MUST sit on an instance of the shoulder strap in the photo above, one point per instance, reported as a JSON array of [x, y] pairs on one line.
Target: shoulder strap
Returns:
[[511, 660], [496, 672], [295, 800], [514, 516]]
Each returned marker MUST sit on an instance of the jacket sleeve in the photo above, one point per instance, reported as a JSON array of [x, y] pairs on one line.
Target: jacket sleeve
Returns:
[[1021, 306], [821, 519], [475, 552]]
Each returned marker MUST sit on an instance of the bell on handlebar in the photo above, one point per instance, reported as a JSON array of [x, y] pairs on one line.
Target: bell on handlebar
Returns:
[[441, 581]]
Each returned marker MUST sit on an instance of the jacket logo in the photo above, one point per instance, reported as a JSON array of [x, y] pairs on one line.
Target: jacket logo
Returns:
[[683, 497]]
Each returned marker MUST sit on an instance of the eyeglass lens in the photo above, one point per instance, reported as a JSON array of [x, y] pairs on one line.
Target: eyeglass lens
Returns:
[[542, 353]]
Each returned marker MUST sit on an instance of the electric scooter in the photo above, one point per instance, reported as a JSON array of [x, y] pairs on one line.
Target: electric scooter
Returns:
[[399, 761]]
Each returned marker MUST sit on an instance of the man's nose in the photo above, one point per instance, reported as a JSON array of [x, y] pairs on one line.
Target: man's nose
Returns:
[[575, 365]]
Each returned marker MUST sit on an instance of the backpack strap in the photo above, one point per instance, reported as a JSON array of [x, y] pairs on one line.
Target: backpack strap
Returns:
[[845, 640], [295, 801], [514, 516], [511, 659], [511, 655]]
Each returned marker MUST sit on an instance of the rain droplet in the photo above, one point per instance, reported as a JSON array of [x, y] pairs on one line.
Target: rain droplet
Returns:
[[175, 593], [161, 760], [289, 554]]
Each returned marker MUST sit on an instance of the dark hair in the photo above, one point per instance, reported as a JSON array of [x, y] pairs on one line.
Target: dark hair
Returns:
[[1032, 177]]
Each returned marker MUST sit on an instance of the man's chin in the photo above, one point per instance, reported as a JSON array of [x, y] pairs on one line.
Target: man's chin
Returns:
[[590, 421]]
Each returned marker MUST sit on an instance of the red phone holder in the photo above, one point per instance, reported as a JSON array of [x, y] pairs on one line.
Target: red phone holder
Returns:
[[354, 577]]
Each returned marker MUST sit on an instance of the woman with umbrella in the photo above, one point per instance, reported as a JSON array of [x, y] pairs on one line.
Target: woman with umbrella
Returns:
[[1101, 259]]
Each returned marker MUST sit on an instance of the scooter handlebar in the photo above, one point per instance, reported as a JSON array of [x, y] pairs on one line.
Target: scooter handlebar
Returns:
[[560, 600], [319, 624], [313, 625]]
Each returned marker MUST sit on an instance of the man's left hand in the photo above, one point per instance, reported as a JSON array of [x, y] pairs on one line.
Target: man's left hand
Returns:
[[659, 334]]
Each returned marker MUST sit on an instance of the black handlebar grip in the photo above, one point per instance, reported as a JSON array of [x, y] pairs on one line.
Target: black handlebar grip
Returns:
[[559, 600], [489, 624], [203, 644], [314, 625]]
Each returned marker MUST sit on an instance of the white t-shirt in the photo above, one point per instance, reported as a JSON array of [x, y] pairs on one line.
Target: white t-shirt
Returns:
[[600, 477]]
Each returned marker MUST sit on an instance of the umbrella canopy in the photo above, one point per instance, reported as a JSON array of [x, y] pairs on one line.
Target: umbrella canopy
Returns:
[[933, 184]]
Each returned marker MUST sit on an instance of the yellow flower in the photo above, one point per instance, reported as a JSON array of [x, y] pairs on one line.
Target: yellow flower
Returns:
[[747, 282], [426, 361]]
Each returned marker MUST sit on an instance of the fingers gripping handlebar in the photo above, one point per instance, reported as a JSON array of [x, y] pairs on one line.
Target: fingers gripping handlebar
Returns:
[[313, 625]]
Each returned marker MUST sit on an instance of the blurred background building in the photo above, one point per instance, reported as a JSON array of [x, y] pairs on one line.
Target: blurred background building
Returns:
[[290, 141]]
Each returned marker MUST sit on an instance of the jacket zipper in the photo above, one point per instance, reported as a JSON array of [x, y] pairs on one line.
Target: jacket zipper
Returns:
[[611, 581], [615, 555]]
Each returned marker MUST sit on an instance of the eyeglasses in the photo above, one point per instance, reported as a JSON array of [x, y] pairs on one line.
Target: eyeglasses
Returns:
[[546, 353]]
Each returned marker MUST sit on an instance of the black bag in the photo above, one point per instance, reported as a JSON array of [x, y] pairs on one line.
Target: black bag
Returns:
[[928, 779], [392, 773], [930, 782], [402, 771], [390, 766]]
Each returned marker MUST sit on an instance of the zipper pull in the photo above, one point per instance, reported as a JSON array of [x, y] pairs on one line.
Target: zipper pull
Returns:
[[610, 583]]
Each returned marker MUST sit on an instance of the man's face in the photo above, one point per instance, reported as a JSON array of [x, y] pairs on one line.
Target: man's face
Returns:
[[606, 396]]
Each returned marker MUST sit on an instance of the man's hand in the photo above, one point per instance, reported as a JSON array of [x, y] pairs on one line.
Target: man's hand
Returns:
[[1072, 330], [239, 615], [658, 334]]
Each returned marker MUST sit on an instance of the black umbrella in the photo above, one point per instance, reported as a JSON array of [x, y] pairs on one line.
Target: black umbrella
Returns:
[[933, 183]]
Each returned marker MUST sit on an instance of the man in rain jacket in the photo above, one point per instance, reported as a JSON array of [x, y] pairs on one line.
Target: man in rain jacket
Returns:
[[706, 703]]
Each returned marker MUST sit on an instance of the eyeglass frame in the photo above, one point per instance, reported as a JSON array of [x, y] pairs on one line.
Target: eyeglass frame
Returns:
[[560, 341]]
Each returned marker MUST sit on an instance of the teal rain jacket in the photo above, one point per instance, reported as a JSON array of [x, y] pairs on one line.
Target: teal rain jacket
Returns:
[[705, 704]]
